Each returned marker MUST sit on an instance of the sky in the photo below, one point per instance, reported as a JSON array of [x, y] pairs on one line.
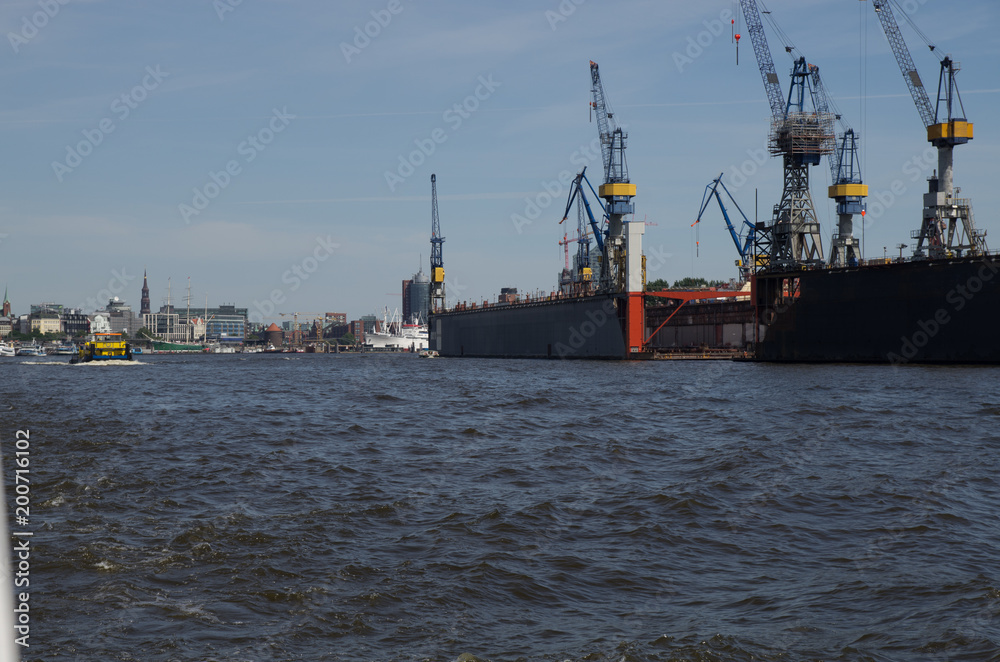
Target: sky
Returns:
[[277, 154]]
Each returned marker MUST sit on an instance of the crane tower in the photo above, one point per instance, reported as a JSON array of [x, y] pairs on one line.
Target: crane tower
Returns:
[[847, 189], [801, 138], [948, 226], [437, 260], [621, 270]]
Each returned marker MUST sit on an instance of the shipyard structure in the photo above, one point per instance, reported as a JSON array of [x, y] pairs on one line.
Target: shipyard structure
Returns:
[[796, 302]]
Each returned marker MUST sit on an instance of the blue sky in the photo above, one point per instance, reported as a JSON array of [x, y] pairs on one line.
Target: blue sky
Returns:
[[255, 147]]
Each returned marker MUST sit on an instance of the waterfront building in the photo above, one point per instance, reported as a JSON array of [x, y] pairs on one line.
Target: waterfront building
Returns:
[[121, 318], [48, 309], [46, 325], [407, 284], [44, 318], [358, 330], [227, 323], [418, 306], [5, 326], [99, 323], [274, 335], [75, 322], [165, 325]]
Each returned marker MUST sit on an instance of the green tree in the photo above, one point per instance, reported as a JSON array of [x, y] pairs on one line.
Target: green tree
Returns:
[[657, 285], [690, 283], [348, 338]]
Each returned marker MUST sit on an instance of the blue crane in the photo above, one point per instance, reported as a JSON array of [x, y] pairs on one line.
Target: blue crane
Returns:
[[846, 188], [621, 268], [575, 189], [584, 272], [437, 259], [744, 245]]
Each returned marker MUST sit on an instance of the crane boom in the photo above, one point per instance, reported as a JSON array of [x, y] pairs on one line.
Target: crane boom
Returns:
[[822, 104], [612, 138], [599, 105], [743, 246], [906, 66], [575, 189], [772, 86]]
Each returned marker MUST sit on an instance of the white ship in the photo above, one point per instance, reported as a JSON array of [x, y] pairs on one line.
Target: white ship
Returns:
[[391, 333]]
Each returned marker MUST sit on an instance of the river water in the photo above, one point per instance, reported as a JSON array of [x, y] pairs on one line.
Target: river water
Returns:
[[312, 507]]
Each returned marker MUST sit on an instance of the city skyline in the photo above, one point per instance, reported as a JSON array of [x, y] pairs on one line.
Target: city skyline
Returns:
[[280, 153]]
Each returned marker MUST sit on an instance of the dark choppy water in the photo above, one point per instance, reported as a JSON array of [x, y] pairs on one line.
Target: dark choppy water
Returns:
[[389, 508]]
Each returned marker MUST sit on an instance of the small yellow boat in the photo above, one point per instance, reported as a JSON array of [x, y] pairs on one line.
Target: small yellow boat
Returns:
[[104, 347]]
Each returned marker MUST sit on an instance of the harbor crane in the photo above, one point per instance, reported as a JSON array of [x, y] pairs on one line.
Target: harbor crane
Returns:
[[800, 137], [621, 269], [846, 188], [948, 226], [744, 246], [437, 260], [623, 266], [583, 272]]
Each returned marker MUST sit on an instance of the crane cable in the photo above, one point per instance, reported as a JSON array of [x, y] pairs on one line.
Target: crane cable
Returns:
[[782, 36], [923, 37]]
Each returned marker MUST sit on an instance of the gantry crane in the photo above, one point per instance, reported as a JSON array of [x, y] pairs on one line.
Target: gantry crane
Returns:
[[846, 188], [744, 245], [948, 226], [801, 138], [621, 270], [437, 259]]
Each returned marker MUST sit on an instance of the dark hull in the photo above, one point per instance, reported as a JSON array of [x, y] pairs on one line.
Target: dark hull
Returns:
[[934, 311], [580, 328]]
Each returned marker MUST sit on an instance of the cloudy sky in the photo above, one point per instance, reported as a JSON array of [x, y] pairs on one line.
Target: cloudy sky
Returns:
[[282, 149]]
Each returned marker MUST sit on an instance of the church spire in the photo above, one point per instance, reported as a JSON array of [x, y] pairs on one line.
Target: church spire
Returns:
[[144, 302]]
